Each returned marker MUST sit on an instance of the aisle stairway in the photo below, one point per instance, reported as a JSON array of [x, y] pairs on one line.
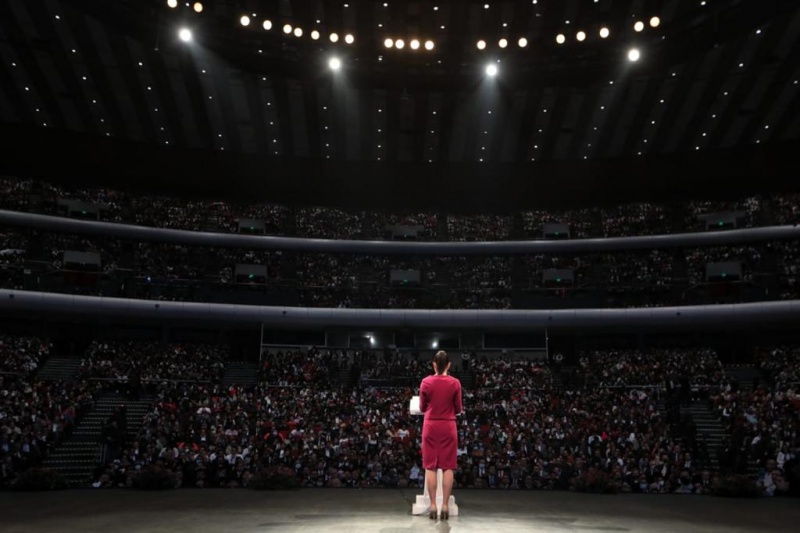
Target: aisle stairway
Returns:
[[78, 456], [746, 376], [59, 369], [240, 373], [710, 430]]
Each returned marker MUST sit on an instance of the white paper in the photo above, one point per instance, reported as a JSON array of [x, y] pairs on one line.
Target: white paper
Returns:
[[413, 406]]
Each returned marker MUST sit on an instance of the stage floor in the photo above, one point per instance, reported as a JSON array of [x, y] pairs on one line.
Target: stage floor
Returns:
[[384, 511]]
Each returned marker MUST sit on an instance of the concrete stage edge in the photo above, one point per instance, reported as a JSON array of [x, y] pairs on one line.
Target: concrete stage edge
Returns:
[[384, 511]]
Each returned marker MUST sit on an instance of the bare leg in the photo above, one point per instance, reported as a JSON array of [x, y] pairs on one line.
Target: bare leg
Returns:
[[430, 482], [447, 488]]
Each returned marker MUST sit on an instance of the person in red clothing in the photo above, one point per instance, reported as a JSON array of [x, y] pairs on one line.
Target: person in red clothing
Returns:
[[440, 401]]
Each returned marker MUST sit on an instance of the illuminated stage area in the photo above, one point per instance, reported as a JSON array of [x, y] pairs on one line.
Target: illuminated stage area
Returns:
[[385, 511]]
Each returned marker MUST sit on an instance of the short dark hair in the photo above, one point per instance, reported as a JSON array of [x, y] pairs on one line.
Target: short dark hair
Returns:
[[442, 360]]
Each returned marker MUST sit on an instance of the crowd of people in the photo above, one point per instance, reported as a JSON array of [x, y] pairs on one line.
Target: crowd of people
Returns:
[[34, 417], [153, 361], [607, 431], [335, 223], [22, 355]]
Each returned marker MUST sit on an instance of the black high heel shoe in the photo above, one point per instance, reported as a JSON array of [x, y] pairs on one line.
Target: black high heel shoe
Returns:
[[432, 514], [445, 514]]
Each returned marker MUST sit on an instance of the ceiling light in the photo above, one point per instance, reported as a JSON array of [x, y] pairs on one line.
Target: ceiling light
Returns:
[[481, 44], [267, 24], [655, 22], [172, 3], [388, 43], [334, 37], [639, 26], [560, 38], [185, 35], [399, 44], [633, 54], [491, 70], [502, 43], [315, 35], [414, 44], [198, 7], [298, 32], [429, 45], [335, 63], [349, 39], [581, 36], [287, 29], [245, 20], [523, 42], [604, 32]]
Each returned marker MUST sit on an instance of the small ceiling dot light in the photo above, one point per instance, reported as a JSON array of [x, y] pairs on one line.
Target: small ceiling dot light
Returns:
[[560, 38], [414, 44], [639, 26], [388, 43], [655, 22], [298, 32], [267, 25], [315, 35], [604, 32], [633, 54], [491, 70], [335, 63], [429, 45], [481, 44], [399, 44], [349, 39], [581, 36], [287, 29], [502, 43], [245, 20], [172, 3], [198, 7], [185, 35], [334, 37], [523, 42]]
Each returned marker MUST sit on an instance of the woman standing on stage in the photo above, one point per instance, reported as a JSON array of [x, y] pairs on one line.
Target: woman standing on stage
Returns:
[[440, 400]]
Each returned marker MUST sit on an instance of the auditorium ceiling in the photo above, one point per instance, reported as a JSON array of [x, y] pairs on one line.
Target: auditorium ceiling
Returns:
[[712, 75]]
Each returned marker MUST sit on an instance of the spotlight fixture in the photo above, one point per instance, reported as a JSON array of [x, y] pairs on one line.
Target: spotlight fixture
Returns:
[[639, 26], [198, 7], [414, 44], [185, 35], [604, 32], [298, 32], [502, 43], [429, 45], [334, 37], [315, 35], [245, 20], [523, 42], [267, 24], [349, 39], [481, 44], [655, 22], [335, 63], [287, 29], [399, 44], [388, 43], [560, 38], [633, 54], [491, 70], [172, 3], [581, 36]]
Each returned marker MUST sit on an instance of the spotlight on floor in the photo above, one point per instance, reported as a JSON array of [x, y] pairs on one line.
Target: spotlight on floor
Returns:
[[633, 54], [491, 70], [335, 63], [185, 35]]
